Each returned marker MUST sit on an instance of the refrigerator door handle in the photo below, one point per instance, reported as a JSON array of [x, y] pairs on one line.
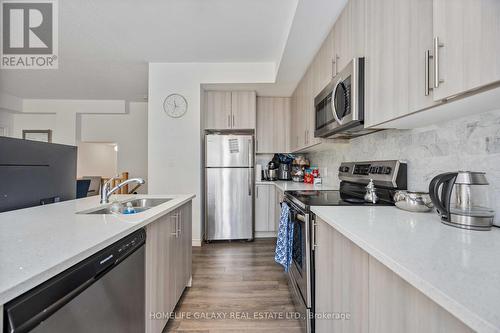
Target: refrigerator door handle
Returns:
[[250, 153], [250, 181]]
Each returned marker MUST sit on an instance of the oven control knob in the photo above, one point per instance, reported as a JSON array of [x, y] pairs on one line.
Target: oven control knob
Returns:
[[344, 169], [380, 170], [387, 170]]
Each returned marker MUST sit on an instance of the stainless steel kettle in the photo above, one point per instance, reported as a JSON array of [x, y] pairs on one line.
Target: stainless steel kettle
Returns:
[[463, 201]]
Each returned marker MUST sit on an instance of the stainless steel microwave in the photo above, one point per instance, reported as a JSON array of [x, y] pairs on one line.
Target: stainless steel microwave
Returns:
[[339, 107]]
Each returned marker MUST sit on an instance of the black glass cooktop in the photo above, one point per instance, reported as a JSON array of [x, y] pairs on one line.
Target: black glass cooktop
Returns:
[[330, 198]]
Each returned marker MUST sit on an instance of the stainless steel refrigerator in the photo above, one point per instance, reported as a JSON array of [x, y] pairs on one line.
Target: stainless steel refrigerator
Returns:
[[229, 179]]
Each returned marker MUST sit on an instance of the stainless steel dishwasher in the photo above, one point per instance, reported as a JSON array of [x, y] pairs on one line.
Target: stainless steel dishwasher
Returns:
[[103, 293]]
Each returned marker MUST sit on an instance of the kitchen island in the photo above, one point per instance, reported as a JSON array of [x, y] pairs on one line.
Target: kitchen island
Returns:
[[409, 268], [40, 242]]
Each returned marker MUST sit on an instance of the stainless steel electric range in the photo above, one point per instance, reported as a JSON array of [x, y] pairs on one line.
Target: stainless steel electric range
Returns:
[[361, 183]]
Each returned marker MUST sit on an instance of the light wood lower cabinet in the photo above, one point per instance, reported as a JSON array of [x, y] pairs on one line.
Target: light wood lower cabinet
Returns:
[[341, 282], [280, 196], [264, 210], [348, 281], [396, 306], [168, 265]]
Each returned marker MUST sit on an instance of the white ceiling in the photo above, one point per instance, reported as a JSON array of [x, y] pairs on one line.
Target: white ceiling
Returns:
[[104, 46]]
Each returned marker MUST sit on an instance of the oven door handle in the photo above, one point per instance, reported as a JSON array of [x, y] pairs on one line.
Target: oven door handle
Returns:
[[313, 230], [300, 217]]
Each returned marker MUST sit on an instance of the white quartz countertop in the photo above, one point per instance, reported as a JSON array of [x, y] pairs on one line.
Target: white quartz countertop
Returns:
[[40, 242], [295, 186], [458, 269]]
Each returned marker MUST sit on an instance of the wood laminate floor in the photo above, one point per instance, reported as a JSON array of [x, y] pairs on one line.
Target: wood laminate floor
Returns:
[[238, 280]]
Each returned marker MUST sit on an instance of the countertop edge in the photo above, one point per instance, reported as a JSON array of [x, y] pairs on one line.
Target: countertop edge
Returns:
[[303, 186], [462, 313], [35, 280]]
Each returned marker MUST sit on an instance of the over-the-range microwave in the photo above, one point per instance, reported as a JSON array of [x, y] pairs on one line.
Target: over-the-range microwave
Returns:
[[339, 107]]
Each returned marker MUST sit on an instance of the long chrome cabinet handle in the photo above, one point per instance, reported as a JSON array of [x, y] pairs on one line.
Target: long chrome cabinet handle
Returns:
[[437, 45], [179, 224], [233, 119], [428, 58], [337, 58], [177, 228], [314, 224]]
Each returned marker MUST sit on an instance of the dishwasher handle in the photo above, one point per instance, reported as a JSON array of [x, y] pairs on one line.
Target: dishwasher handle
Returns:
[[27, 311]]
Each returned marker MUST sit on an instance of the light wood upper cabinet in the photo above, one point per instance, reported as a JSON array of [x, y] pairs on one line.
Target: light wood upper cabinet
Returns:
[[244, 109], [470, 35], [397, 37], [230, 110], [349, 34], [273, 124], [420, 95], [218, 110], [294, 122]]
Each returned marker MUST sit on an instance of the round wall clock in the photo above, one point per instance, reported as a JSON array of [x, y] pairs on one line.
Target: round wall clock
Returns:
[[175, 105]]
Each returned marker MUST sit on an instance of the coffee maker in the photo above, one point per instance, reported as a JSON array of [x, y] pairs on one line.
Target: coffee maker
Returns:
[[285, 171]]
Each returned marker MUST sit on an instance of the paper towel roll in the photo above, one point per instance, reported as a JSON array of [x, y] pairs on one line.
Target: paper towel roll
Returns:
[[258, 175]]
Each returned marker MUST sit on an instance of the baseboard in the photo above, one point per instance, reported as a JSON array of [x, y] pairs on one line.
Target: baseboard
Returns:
[[196, 242], [265, 234]]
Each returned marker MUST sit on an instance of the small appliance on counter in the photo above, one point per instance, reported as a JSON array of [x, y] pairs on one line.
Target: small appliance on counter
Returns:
[[461, 199], [285, 172], [272, 171]]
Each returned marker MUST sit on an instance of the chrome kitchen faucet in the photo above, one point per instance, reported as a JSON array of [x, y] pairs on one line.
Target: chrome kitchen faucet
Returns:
[[106, 191]]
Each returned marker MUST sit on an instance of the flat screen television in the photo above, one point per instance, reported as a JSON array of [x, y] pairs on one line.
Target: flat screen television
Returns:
[[34, 173]]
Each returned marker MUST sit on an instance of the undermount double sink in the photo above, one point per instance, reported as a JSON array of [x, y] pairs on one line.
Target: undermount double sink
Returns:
[[139, 205]]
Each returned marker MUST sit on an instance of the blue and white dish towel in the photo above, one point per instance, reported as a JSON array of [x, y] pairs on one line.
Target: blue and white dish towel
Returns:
[[284, 243]]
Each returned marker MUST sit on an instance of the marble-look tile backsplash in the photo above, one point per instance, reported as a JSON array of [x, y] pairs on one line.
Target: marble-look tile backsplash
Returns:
[[463, 144]]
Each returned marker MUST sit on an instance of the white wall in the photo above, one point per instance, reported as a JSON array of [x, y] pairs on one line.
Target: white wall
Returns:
[[174, 146], [96, 159], [64, 114], [73, 121], [23, 121], [10, 103], [6, 122], [129, 131]]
